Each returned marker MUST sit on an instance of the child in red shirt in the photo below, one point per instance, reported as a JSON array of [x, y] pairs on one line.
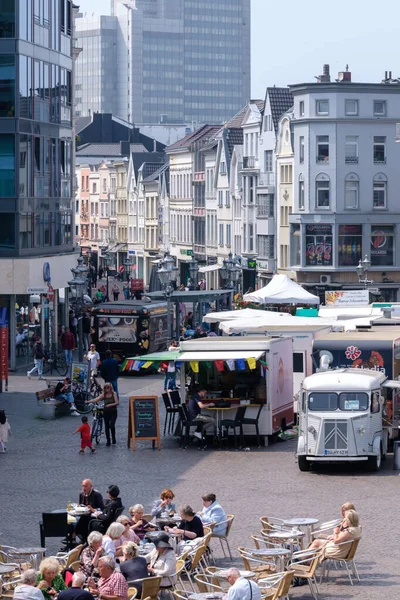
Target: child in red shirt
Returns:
[[86, 441]]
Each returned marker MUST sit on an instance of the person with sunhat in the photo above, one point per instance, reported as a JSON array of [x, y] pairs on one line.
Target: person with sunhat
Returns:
[[161, 562]]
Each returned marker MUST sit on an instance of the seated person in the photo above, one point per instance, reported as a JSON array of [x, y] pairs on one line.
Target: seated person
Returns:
[[63, 392], [94, 501], [49, 579], [190, 527], [128, 535], [350, 530], [213, 513], [111, 539], [112, 585], [164, 503], [75, 592], [104, 518], [133, 566], [195, 407], [26, 590], [90, 556], [241, 588], [161, 562], [139, 525]]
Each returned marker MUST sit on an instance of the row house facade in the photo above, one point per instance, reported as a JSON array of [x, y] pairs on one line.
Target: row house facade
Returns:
[[345, 181]]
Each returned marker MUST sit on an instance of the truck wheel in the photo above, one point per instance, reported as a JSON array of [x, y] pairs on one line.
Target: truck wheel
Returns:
[[304, 464], [374, 462]]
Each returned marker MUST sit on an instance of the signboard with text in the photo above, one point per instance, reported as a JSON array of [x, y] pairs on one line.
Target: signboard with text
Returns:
[[143, 421], [338, 298]]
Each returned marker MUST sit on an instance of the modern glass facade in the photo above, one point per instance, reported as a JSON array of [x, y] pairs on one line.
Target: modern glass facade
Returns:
[[178, 61], [36, 127]]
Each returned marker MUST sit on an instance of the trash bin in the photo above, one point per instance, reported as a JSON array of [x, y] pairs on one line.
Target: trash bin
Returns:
[[396, 455]]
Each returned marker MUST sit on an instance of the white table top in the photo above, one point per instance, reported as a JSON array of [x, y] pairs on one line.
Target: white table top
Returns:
[[27, 551], [285, 535], [206, 595], [270, 551], [222, 573], [300, 521]]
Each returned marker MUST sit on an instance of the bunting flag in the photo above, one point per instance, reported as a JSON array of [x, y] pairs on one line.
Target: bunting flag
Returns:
[[136, 365], [156, 364], [230, 364], [147, 364], [123, 366], [252, 363], [220, 365], [264, 364], [194, 365], [240, 364], [207, 364], [178, 364]]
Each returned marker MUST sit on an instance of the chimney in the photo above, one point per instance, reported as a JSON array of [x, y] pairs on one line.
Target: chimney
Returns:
[[325, 77], [344, 75]]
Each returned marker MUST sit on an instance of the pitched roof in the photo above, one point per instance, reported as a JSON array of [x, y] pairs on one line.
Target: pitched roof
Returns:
[[155, 159], [149, 169], [155, 174], [280, 100], [206, 132], [106, 150], [232, 136]]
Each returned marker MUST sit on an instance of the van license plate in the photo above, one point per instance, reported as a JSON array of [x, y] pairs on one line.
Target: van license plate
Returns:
[[335, 452]]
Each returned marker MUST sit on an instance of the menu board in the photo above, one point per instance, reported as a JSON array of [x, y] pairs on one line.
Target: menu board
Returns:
[[143, 420]]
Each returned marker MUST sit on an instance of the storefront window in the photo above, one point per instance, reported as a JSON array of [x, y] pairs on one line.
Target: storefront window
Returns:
[[319, 245], [7, 85], [349, 245], [7, 230], [382, 245], [7, 165], [7, 18]]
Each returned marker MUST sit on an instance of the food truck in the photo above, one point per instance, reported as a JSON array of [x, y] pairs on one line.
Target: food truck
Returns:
[[347, 415], [130, 328], [253, 371]]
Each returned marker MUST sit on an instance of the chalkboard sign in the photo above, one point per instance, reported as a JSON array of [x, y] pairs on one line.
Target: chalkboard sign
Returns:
[[143, 420]]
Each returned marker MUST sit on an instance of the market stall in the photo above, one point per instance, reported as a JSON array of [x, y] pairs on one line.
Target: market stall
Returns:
[[281, 290]]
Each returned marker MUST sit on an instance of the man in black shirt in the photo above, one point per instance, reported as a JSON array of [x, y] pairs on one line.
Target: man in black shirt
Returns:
[[75, 592], [110, 512], [195, 406], [109, 370]]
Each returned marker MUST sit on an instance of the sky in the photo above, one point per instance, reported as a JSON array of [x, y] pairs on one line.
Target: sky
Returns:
[[292, 40]]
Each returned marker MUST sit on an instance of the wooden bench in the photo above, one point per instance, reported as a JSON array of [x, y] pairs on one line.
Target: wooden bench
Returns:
[[49, 407]]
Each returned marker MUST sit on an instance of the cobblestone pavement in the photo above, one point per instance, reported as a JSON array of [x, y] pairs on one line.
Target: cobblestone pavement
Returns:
[[42, 470]]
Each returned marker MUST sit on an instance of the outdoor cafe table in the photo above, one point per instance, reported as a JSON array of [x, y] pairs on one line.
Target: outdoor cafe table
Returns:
[[4, 569], [206, 595], [306, 522], [34, 554], [278, 553], [223, 572], [286, 536]]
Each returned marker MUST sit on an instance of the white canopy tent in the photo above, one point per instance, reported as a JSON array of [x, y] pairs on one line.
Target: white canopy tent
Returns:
[[281, 290], [227, 315], [264, 323]]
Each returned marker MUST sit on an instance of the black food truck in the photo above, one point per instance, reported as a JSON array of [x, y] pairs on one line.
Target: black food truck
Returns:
[[130, 328]]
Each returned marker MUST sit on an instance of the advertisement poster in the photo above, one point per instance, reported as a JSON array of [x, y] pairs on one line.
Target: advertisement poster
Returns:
[[358, 355], [338, 298], [319, 245], [158, 333], [118, 330], [349, 245], [382, 245], [80, 373]]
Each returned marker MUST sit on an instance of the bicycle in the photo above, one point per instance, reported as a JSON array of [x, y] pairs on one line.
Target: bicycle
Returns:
[[58, 363], [81, 397], [95, 387], [97, 425]]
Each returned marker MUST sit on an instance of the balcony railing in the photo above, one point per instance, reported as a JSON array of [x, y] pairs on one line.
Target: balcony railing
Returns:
[[322, 160], [378, 160], [249, 162], [351, 160], [266, 178]]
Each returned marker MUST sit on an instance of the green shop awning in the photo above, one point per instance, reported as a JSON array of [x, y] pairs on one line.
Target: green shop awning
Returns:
[[157, 356]]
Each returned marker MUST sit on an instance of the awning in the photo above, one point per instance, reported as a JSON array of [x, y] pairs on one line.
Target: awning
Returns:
[[157, 356], [209, 268], [221, 355]]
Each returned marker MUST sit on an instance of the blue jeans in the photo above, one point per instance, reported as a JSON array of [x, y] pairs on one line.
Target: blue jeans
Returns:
[[115, 386], [38, 367], [68, 397], [68, 356]]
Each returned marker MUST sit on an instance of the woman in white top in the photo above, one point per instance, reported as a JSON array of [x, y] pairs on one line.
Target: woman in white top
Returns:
[[111, 540], [129, 535]]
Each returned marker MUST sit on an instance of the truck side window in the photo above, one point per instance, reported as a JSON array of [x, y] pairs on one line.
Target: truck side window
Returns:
[[375, 403], [298, 362]]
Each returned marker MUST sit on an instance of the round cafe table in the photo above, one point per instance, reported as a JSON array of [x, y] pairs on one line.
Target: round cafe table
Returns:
[[306, 522], [34, 554], [290, 537], [4, 569], [223, 572], [206, 596], [278, 553]]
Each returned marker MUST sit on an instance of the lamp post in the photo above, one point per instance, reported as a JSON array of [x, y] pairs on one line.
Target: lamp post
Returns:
[[108, 260], [193, 270], [362, 269], [128, 265], [78, 286], [167, 273]]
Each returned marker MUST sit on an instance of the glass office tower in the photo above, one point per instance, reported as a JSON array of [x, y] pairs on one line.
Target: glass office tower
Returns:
[[178, 61], [35, 127]]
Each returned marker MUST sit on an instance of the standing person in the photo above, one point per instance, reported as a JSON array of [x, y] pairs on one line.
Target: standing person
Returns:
[[86, 332], [100, 272], [98, 297], [241, 588], [68, 343], [109, 370], [110, 399], [5, 431], [73, 323], [38, 358], [126, 291], [116, 292], [86, 441], [93, 357]]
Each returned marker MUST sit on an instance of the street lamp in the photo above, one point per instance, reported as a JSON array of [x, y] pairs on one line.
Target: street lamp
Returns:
[[127, 264], [362, 269], [108, 260], [167, 273], [230, 272], [193, 270], [78, 286]]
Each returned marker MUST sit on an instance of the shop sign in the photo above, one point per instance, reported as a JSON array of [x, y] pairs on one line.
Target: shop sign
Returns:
[[319, 245], [338, 298], [185, 252], [160, 224], [36, 290]]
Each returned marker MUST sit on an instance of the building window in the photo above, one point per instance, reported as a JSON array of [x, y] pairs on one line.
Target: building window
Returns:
[[349, 245], [379, 108], [351, 107], [351, 191], [382, 245], [322, 191], [94, 188], [104, 184], [227, 198], [301, 149], [228, 235], [322, 107], [295, 245], [301, 108], [351, 149], [7, 165], [220, 198], [318, 245], [379, 149], [268, 161], [322, 148], [7, 85], [265, 205], [222, 168], [266, 246], [286, 173], [380, 191], [251, 238], [221, 234], [301, 193]]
